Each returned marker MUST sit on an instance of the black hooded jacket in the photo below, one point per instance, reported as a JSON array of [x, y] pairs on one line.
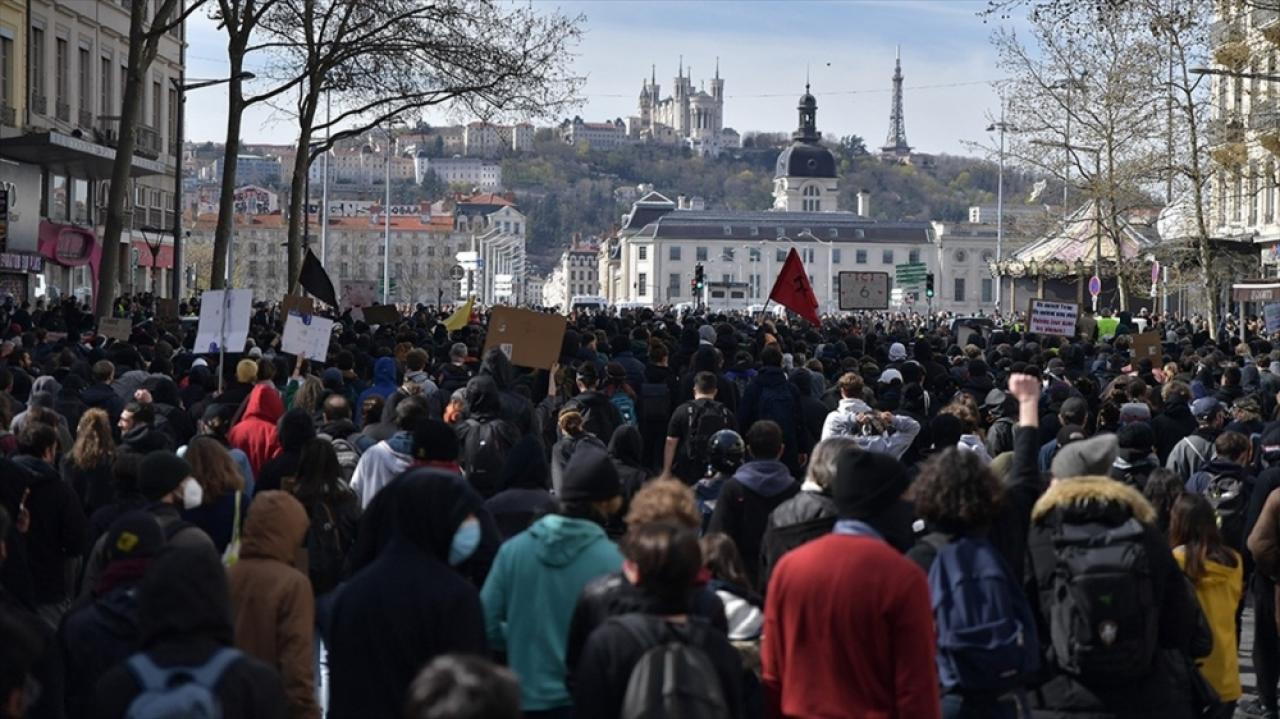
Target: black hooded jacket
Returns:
[[626, 449], [184, 616], [59, 534], [407, 606], [516, 408], [294, 428], [485, 437], [526, 478]]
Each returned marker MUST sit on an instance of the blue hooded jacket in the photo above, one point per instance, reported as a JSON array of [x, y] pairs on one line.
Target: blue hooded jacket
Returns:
[[384, 381]]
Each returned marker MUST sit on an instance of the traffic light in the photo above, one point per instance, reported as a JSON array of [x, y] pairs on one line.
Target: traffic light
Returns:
[[928, 285], [699, 278]]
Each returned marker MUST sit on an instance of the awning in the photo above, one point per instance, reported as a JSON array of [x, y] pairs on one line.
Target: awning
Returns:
[[82, 157], [144, 255], [1263, 291]]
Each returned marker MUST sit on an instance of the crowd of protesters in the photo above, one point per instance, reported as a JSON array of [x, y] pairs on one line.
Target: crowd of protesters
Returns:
[[687, 515]]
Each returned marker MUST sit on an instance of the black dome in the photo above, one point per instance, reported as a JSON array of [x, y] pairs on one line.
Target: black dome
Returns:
[[804, 159]]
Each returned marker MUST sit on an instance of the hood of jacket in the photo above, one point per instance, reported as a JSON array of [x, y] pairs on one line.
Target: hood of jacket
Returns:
[[384, 372], [1091, 498], [401, 443], [338, 429], [144, 438], [294, 428], [766, 477], [98, 395], [484, 398], [561, 539], [526, 465], [46, 383], [275, 528], [853, 406], [264, 404], [771, 376], [185, 595], [38, 470], [626, 446], [498, 366]]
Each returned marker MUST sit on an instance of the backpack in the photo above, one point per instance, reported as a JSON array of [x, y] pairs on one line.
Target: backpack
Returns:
[[674, 678], [1103, 622], [1230, 502], [778, 403], [348, 455], [484, 455], [986, 633], [655, 403], [626, 407], [178, 692], [328, 543], [706, 417]]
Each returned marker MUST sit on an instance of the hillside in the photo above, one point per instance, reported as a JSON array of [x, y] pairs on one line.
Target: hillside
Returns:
[[566, 190]]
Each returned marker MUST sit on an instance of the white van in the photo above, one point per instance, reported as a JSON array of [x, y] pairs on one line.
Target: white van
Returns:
[[591, 303]]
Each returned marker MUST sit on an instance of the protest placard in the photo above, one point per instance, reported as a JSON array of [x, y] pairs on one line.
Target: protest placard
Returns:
[[1271, 315], [528, 338], [166, 309], [1050, 317], [307, 335], [224, 321], [301, 304], [116, 328], [1146, 346], [381, 314]]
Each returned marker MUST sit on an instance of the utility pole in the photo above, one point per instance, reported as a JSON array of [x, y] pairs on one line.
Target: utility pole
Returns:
[[386, 224], [1002, 127], [324, 186]]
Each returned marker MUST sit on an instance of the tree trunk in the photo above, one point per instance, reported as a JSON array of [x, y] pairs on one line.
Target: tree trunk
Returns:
[[226, 199], [297, 187], [111, 260]]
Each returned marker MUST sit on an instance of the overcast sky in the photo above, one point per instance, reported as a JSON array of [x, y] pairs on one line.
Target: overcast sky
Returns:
[[763, 47]]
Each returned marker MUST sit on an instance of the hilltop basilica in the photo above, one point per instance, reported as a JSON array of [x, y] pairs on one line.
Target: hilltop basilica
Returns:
[[688, 116]]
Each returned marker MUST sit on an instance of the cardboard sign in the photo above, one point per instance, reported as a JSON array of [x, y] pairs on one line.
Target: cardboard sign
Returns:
[[356, 293], [224, 321], [117, 328], [1271, 315], [307, 335], [864, 290], [301, 304], [166, 309], [1147, 346], [528, 338], [1049, 317], [381, 314]]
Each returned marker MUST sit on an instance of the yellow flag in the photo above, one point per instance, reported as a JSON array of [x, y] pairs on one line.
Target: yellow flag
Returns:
[[460, 316]]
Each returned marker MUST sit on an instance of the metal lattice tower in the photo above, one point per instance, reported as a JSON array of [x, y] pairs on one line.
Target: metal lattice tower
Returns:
[[896, 144]]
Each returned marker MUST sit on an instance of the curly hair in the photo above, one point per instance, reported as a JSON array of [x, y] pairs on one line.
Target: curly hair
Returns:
[[668, 500], [94, 445], [963, 411], [310, 394], [213, 468], [955, 493]]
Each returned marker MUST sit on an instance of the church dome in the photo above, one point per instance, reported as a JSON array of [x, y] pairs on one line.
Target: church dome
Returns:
[[803, 159]]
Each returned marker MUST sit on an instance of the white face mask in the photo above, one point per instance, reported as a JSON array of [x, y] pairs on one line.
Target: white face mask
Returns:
[[192, 493]]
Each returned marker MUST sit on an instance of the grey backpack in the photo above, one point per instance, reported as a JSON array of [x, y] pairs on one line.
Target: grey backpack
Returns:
[[178, 692]]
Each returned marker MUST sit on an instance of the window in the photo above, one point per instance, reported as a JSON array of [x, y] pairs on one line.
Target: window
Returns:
[[155, 105], [6, 72], [344, 270], [913, 256], [58, 199], [886, 257], [60, 70], [726, 254], [959, 289], [643, 253], [753, 254], [642, 280], [755, 285], [37, 68], [173, 121], [835, 256], [85, 73], [701, 254], [1269, 194], [253, 267], [808, 254], [1237, 182], [860, 257], [431, 250], [673, 252], [987, 290], [781, 255], [104, 87], [1253, 194], [673, 285], [810, 201]]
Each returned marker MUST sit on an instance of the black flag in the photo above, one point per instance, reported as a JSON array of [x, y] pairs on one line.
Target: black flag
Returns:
[[316, 281]]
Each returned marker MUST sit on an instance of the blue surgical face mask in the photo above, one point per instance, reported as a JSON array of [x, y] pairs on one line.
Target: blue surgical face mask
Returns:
[[465, 541]]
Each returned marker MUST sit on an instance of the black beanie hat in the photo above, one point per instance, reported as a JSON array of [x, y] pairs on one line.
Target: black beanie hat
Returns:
[[434, 440], [134, 534], [160, 473], [867, 483], [1136, 435], [590, 476]]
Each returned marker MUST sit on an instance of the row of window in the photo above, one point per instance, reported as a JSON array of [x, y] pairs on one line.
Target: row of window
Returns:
[[376, 247], [1238, 198], [587, 275], [675, 286], [807, 254]]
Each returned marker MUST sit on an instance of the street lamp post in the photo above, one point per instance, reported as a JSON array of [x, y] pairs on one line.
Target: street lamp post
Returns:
[[154, 237], [1002, 127], [182, 86]]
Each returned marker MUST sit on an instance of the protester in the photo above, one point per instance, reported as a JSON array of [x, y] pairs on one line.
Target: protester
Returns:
[[382, 462], [811, 513], [574, 436], [256, 434], [87, 467], [224, 495], [725, 454], [1194, 451], [463, 687], [527, 481], [485, 436], [690, 429], [293, 429], [333, 514], [56, 536]]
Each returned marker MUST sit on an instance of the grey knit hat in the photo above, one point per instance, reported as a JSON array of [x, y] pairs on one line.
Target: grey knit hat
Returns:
[[1087, 457]]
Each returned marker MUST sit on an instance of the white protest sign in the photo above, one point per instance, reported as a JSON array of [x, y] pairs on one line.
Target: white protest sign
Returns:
[[1271, 314], [1048, 317], [864, 290], [307, 335], [224, 321]]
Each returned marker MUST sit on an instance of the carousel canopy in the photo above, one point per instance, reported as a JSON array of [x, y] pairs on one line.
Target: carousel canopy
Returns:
[[1076, 241]]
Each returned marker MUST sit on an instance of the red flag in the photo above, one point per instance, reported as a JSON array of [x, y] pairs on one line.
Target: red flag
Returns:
[[793, 291]]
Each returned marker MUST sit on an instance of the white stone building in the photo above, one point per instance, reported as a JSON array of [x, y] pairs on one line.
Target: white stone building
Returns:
[[595, 135], [471, 171], [688, 116]]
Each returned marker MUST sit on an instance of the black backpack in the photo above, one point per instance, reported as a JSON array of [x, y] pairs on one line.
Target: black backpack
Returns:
[[329, 540], [706, 417], [655, 403], [673, 679], [1103, 622], [484, 450], [1230, 499]]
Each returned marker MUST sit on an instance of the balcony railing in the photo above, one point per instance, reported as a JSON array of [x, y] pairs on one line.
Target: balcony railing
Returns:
[[8, 115], [146, 139], [86, 119], [62, 110], [1225, 31], [39, 104], [1222, 131], [1265, 115], [1265, 16]]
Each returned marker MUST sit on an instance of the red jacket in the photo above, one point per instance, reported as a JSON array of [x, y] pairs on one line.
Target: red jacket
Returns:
[[848, 634], [255, 433]]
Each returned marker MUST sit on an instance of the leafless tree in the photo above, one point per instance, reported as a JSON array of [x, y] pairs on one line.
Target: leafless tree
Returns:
[[145, 34], [385, 61]]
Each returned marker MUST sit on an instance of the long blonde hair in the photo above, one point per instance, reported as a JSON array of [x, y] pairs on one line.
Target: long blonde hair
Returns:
[[213, 468], [94, 445], [309, 395]]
